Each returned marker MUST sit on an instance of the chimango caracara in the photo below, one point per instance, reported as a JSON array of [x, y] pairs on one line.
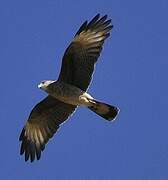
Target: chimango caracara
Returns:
[[70, 90]]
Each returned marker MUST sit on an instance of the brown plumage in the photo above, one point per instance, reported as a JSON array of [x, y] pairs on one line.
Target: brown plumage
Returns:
[[77, 69], [43, 122], [80, 57]]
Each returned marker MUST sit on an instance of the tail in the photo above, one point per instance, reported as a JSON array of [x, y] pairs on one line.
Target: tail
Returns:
[[106, 111]]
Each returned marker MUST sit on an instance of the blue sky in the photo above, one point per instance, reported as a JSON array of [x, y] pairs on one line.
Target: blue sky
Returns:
[[131, 73]]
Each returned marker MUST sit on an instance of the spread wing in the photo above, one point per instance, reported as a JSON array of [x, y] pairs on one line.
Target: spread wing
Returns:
[[43, 122], [80, 57]]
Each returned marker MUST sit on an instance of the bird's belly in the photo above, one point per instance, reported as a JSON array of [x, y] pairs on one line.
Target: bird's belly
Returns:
[[70, 94], [74, 100]]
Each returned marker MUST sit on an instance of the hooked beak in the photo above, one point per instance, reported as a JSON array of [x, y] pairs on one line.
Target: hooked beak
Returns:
[[39, 86]]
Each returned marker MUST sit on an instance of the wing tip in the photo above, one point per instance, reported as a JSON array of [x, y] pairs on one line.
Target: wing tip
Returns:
[[29, 148], [97, 22], [30, 153], [82, 27], [97, 16], [22, 134]]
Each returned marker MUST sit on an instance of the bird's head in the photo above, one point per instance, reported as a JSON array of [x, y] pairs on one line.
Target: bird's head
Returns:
[[44, 84]]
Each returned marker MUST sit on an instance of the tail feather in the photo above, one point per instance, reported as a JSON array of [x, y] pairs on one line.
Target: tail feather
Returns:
[[104, 110]]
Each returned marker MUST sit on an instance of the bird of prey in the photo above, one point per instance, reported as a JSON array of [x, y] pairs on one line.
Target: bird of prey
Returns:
[[70, 90]]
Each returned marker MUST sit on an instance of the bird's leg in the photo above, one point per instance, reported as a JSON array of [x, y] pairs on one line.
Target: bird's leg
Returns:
[[86, 99]]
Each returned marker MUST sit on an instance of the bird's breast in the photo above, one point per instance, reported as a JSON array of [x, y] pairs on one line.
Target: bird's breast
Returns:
[[66, 93]]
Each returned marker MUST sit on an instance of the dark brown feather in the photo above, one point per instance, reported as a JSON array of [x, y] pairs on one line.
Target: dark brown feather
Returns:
[[81, 55], [43, 122]]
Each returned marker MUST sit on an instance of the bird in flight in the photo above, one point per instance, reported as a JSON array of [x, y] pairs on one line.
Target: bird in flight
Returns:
[[70, 90]]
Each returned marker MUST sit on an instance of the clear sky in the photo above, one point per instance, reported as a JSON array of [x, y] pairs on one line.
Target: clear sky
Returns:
[[132, 73]]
